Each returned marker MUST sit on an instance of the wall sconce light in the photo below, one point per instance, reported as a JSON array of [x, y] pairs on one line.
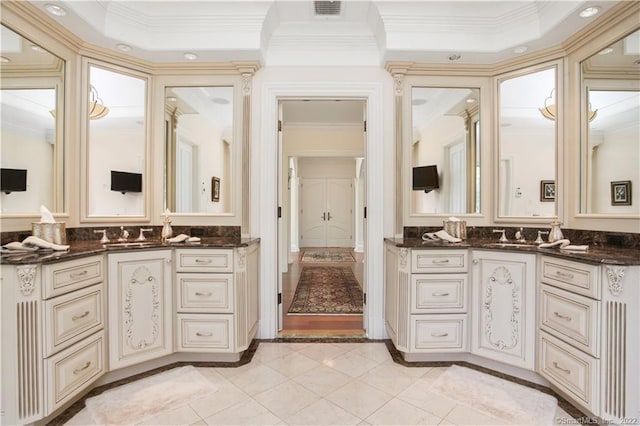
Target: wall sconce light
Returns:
[[549, 111]]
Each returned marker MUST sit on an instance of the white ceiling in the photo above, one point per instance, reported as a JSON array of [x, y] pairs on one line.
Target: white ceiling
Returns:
[[284, 32]]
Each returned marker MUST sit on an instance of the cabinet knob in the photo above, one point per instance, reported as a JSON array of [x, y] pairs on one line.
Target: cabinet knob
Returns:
[[475, 261], [168, 260]]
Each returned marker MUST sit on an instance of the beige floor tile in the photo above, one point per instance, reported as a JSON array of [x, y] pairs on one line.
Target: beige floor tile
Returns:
[[293, 364], [418, 394], [322, 352], [397, 412], [322, 380], [388, 378], [352, 364], [286, 399], [226, 396], [83, 417], [213, 375], [257, 379], [199, 423], [229, 372], [374, 351], [269, 351], [359, 399], [184, 415], [464, 415], [562, 417], [245, 413], [322, 412]]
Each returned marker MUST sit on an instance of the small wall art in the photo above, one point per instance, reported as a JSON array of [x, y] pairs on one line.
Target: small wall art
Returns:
[[215, 189], [621, 193], [547, 190]]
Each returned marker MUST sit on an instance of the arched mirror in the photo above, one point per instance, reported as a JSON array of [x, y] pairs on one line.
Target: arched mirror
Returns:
[[527, 138], [32, 137], [445, 150], [116, 184], [200, 142], [610, 118]]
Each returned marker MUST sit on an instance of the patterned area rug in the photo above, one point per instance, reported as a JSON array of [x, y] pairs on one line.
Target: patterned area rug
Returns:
[[320, 255], [324, 290], [510, 402], [134, 402]]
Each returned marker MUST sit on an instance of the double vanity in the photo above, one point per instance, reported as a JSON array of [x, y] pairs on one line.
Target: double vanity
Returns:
[[70, 318], [567, 317]]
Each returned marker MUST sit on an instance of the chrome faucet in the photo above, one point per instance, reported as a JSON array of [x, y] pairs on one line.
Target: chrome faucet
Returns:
[[124, 234], [104, 239], [520, 236], [141, 237], [503, 238], [539, 240]]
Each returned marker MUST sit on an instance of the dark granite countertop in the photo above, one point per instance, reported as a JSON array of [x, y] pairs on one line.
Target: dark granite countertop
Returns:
[[595, 255], [79, 249]]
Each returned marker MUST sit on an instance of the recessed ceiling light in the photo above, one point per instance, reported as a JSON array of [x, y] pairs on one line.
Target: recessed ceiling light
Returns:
[[589, 12], [605, 51], [54, 9], [471, 100], [3, 59], [454, 57], [220, 101], [172, 99], [190, 56], [418, 102], [124, 47], [520, 49]]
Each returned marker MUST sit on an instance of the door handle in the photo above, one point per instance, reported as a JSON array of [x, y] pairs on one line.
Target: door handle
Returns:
[[324, 216], [329, 216]]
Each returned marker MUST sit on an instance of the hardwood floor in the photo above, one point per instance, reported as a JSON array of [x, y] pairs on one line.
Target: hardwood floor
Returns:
[[319, 325]]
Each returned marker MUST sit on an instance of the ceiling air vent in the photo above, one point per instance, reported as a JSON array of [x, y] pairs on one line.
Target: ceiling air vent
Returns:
[[327, 8]]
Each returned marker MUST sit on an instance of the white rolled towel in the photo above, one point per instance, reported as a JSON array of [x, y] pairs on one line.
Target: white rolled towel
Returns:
[[564, 244], [40, 243]]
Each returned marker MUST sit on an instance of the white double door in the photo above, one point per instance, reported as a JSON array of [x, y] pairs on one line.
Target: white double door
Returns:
[[326, 212]]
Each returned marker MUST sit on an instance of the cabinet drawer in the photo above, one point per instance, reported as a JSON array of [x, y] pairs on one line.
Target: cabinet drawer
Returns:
[[72, 370], [570, 317], [438, 261], [577, 277], [438, 333], [205, 333], [439, 293], [63, 277], [203, 260], [571, 370], [72, 317], [205, 293]]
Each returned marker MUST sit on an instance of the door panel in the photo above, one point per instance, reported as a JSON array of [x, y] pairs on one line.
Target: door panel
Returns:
[[340, 213], [313, 195]]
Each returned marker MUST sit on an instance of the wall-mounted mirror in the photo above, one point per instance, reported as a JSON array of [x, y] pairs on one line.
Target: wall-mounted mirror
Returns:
[[445, 150], [610, 118], [32, 142], [527, 144], [199, 146], [116, 147]]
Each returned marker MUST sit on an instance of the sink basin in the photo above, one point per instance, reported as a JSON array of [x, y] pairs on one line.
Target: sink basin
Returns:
[[131, 244], [523, 245]]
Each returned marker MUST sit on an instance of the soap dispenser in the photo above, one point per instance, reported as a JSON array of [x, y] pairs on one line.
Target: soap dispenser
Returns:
[[167, 231], [555, 233]]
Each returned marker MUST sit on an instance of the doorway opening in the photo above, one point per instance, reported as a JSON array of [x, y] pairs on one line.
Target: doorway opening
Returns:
[[321, 230]]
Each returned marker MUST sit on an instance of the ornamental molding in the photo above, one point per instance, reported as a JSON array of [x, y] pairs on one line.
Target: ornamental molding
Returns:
[[246, 83], [615, 277], [242, 258], [27, 279], [141, 277], [398, 80], [501, 277], [403, 254]]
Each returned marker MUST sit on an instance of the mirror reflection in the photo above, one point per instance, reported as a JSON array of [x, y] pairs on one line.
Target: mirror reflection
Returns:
[[527, 145], [445, 153], [31, 139], [116, 148], [611, 180], [199, 143]]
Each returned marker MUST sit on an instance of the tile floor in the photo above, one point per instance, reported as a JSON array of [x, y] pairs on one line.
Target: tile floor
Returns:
[[323, 384]]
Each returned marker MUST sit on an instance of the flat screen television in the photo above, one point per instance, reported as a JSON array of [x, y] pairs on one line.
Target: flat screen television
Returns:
[[13, 180], [126, 182], [425, 178]]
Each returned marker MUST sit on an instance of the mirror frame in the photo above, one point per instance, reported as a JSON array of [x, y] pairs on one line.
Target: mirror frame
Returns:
[[234, 216], [559, 131], [85, 215], [468, 81], [23, 21]]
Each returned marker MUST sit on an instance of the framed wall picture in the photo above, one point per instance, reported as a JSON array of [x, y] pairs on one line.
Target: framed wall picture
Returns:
[[621, 193], [547, 190], [215, 189]]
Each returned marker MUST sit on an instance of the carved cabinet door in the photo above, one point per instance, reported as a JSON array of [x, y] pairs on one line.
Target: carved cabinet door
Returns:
[[503, 326], [139, 307]]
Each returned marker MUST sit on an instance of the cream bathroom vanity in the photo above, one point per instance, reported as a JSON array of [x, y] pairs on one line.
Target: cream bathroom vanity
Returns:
[[68, 323], [570, 324]]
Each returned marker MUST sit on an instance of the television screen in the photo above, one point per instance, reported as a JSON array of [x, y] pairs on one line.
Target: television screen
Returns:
[[425, 178], [13, 180], [126, 182]]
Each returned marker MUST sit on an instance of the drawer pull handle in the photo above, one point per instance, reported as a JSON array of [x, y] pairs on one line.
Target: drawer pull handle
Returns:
[[564, 370], [77, 317], [564, 275], [564, 317], [78, 274], [207, 294], [441, 334], [440, 261], [203, 334], [84, 367], [439, 294], [206, 261]]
